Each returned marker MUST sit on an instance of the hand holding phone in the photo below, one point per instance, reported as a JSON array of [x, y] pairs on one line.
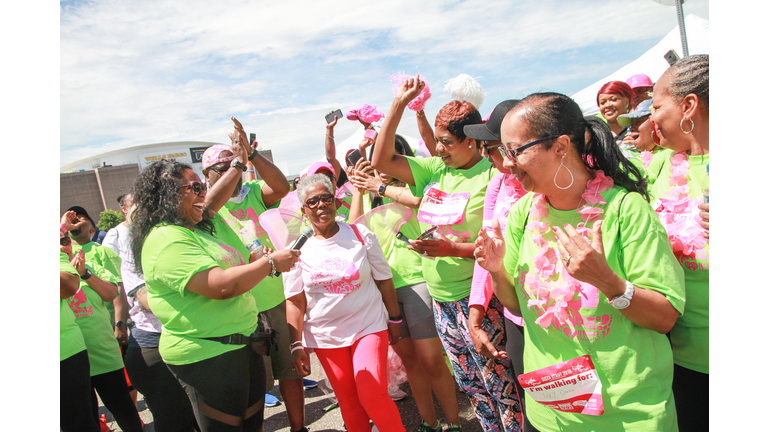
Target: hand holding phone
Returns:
[[428, 234], [353, 157], [333, 115]]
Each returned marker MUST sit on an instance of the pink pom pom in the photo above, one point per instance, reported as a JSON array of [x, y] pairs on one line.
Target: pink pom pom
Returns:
[[417, 104], [366, 113]]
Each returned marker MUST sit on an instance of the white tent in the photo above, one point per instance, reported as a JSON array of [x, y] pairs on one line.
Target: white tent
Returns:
[[652, 63]]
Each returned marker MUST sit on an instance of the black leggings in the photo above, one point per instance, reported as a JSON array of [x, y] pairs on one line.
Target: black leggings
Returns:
[[691, 390], [226, 391], [113, 391], [76, 414], [515, 345], [170, 407]]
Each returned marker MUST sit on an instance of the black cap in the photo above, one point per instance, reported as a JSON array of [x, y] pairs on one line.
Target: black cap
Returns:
[[491, 130], [80, 210]]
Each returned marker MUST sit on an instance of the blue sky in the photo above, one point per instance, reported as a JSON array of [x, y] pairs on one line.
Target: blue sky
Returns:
[[142, 72]]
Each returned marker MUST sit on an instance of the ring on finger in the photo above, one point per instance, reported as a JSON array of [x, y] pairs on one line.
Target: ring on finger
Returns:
[[566, 260]]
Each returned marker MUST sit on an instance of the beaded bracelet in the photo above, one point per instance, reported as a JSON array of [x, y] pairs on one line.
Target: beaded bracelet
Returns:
[[272, 263]]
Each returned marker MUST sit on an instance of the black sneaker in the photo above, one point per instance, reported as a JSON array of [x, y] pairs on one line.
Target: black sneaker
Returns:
[[453, 428], [424, 427]]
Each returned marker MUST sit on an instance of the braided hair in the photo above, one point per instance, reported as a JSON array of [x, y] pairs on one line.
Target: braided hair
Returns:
[[690, 75]]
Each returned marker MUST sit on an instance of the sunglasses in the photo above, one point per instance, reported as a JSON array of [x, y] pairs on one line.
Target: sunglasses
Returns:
[[315, 201], [220, 169], [513, 154], [197, 187], [65, 241]]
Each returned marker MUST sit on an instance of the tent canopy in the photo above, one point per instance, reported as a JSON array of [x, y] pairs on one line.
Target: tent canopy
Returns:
[[652, 63]]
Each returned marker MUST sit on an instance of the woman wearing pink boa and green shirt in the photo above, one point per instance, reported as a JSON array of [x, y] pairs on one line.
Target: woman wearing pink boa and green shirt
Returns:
[[680, 196], [588, 263]]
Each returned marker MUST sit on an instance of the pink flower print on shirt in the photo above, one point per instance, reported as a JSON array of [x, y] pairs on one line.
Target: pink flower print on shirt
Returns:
[[336, 276], [231, 256]]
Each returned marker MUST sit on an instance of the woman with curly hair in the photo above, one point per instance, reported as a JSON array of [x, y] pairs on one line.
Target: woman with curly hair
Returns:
[[195, 285], [453, 186]]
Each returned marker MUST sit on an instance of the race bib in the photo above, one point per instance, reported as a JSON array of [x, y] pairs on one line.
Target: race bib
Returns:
[[572, 386], [442, 208]]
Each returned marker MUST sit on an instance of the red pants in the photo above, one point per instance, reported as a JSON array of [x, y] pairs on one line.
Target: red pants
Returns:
[[358, 375]]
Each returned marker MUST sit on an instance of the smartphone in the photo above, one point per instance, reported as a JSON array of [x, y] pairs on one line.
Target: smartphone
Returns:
[[402, 238], [671, 57], [252, 139], [427, 235], [353, 157], [336, 114]]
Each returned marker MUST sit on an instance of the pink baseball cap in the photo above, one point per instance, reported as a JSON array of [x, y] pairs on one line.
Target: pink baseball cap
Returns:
[[211, 155], [640, 80], [318, 165]]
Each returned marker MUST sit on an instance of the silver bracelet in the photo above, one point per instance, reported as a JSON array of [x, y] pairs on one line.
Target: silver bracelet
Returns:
[[329, 136], [272, 263]]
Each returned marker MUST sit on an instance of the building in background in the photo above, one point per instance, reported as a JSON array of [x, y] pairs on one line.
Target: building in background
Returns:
[[96, 182]]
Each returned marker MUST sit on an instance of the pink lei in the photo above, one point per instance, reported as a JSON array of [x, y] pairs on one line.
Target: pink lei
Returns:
[[679, 211], [561, 300], [646, 157]]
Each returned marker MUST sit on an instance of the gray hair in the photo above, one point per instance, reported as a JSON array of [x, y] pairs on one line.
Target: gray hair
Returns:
[[690, 75], [314, 179]]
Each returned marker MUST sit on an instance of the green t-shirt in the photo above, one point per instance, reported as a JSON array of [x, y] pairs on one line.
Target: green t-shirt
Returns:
[[633, 363], [269, 292], [690, 336], [106, 258], [170, 257], [405, 263], [92, 317], [70, 337], [449, 279]]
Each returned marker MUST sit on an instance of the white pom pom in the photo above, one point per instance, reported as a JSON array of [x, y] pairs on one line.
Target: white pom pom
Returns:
[[465, 88]]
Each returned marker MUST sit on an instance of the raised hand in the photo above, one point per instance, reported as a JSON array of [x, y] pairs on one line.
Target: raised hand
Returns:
[[490, 250], [70, 221], [410, 88], [332, 124], [241, 149]]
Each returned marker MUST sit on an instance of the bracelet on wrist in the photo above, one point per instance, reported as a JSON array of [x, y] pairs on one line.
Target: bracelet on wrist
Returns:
[[272, 263], [395, 319], [62, 229], [329, 136], [251, 171], [293, 344], [252, 155], [296, 348]]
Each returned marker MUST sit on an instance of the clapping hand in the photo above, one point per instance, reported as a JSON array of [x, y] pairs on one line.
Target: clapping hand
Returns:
[[240, 146], [489, 250], [704, 213], [364, 177], [78, 262]]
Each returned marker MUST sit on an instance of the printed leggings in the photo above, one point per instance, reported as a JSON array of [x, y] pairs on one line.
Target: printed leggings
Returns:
[[487, 382], [358, 375]]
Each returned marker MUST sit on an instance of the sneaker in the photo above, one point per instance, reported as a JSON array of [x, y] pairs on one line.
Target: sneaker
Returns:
[[453, 428], [424, 427], [271, 401], [309, 384]]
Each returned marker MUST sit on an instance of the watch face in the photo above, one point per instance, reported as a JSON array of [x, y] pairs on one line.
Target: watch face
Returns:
[[620, 303]]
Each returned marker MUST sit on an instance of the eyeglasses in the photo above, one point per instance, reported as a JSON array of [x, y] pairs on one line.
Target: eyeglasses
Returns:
[[65, 241], [513, 154], [197, 187], [221, 169], [315, 201], [487, 147]]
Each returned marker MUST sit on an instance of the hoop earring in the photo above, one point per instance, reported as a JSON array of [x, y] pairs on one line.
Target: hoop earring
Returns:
[[558, 171], [681, 126]]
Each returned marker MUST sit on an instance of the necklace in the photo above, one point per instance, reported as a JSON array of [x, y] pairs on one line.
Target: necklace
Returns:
[[558, 301], [679, 211]]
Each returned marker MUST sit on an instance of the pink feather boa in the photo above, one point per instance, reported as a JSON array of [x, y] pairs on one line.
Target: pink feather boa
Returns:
[[417, 104]]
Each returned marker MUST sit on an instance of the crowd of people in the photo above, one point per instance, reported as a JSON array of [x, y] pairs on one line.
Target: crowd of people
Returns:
[[559, 262]]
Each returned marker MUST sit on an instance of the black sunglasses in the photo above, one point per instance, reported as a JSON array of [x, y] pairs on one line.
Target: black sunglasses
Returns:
[[513, 154], [197, 187], [65, 241], [315, 201]]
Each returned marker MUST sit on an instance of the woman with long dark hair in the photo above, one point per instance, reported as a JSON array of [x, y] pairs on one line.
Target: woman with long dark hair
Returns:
[[588, 263], [681, 195], [195, 285]]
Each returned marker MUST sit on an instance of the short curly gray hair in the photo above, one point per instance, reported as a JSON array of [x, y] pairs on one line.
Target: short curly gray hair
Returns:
[[313, 179]]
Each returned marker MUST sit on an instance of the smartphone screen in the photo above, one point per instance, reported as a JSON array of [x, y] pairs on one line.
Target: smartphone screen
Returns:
[[252, 138]]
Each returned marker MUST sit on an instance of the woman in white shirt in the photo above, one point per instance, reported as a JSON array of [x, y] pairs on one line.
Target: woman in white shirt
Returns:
[[341, 302]]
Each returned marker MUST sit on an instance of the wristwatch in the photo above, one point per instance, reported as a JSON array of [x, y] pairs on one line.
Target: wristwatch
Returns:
[[119, 324], [622, 301], [86, 275], [252, 155], [382, 188], [237, 164]]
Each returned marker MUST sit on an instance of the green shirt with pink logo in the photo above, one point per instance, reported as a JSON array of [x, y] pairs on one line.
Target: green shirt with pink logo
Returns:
[[248, 206], [70, 337], [170, 257], [634, 364], [449, 279]]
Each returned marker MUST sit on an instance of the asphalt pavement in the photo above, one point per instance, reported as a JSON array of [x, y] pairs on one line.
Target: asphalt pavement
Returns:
[[320, 420]]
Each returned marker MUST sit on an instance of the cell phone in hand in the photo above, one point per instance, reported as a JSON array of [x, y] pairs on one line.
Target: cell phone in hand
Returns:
[[353, 157], [252, 138], [336, 114], [427, 235]]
